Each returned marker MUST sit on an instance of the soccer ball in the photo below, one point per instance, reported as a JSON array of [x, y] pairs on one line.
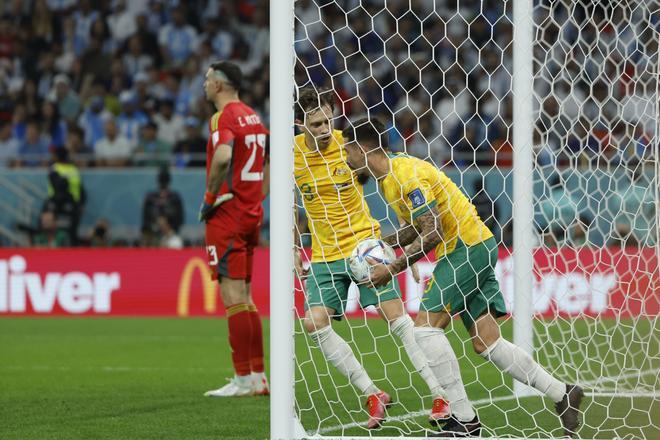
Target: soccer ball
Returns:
[[368, 253]]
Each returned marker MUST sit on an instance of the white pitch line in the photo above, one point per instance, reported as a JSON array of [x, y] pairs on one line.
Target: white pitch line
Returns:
[[483, 402], [600, 380], [650, 394]]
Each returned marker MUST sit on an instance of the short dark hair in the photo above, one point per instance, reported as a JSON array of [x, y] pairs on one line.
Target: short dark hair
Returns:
[[310, 99], [367, 131], [231, 71]]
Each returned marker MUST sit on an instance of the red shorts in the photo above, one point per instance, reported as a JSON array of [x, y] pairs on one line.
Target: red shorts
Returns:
[[229, 252]]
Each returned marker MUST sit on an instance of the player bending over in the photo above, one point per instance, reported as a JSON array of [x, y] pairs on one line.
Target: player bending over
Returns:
[[439, 216], [235, 157], [338, 219]]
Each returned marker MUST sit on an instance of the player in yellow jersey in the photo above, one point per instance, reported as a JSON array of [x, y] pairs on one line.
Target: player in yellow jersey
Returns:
[[439, 216], [339, 218]]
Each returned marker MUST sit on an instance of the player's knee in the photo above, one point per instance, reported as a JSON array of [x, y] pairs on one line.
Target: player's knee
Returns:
[[316, 319], [479, 345]]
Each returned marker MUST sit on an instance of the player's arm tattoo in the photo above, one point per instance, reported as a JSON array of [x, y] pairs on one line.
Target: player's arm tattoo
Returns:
[[402, 237], [219, 167], [430, 235]]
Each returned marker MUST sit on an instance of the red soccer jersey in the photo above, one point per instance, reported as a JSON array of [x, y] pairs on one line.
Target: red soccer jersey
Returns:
[[239, 127]]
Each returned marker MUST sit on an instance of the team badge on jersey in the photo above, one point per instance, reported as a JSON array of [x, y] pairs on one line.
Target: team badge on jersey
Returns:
[[416, 198], [341, 171]]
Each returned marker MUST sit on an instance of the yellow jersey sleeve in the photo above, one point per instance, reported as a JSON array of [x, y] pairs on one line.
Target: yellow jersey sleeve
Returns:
[[408, 189], [415, 186]]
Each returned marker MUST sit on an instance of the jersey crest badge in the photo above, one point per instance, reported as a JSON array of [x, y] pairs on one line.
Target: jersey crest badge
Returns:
[[416, 198]]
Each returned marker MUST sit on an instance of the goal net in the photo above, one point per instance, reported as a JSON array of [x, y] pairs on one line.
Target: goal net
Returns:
[[440, 74]]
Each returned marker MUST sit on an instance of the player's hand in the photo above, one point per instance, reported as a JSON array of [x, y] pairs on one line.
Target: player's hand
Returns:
[[297, 264], [381, 275], [211, 203]]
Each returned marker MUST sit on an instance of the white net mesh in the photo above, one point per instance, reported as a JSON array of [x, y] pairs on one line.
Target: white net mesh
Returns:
[[440, 75]]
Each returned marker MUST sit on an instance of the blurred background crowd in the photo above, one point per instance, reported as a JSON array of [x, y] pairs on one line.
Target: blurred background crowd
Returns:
[[440, 73], [117, 83]]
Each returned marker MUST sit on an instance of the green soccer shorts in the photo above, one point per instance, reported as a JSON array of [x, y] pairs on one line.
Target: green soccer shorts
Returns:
[[328, 283], [464, 282]]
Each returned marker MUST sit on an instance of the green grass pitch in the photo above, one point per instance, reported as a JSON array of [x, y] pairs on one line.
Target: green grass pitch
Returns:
[[144, 378]]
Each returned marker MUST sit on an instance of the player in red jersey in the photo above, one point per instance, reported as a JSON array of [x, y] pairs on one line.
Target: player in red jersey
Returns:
[[235, 160]]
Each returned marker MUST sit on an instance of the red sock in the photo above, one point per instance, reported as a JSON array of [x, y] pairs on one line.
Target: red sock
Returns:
[[256, 342], [240, 333]]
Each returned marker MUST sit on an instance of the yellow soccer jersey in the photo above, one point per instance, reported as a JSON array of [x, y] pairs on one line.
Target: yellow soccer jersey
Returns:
[[338, 216], [414, 186]]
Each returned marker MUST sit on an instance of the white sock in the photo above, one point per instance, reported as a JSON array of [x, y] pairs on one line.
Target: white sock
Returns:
[[444, 365], [404, 329], [518, 363], [339, 354], [244, 381], [259, 379]]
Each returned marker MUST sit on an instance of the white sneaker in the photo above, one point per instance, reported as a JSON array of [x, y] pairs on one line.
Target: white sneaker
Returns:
[[260, 384], [238, 386]]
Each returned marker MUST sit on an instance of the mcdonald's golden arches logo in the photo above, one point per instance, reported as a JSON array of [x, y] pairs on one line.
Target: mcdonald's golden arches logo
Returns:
[[209, 287]]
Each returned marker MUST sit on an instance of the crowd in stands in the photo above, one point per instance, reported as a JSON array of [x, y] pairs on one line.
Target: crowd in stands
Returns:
[[119, 83], [441, 74]]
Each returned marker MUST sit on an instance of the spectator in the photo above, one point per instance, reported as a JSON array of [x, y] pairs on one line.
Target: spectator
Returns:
[[131, 120], [46, 74], [136, 59], [55, 127], [83, 19], [170, 125], [113, 149], [43, 23], [95, 63], [71, 41], [49, 235], [148, 39], [151, 150], [162, 202], [6, 38], [19, 122], [93, 119], [9, 145], [81, 155], [33, 151], [222, 40], [191, 150], [121, 22], [168, 238], [67, 100], [178, 40], [66, 194]]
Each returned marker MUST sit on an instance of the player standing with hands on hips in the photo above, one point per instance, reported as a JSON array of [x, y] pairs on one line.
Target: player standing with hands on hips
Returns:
[[236, 158]]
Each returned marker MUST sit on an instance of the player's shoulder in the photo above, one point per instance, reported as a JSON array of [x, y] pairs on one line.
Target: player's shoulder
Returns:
[[299, 143], [408, 168]]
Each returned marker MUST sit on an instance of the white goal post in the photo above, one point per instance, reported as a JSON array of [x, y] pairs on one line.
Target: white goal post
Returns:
[[574, 91]]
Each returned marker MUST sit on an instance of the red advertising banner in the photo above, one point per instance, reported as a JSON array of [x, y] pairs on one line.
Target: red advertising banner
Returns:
[[157, 282]]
